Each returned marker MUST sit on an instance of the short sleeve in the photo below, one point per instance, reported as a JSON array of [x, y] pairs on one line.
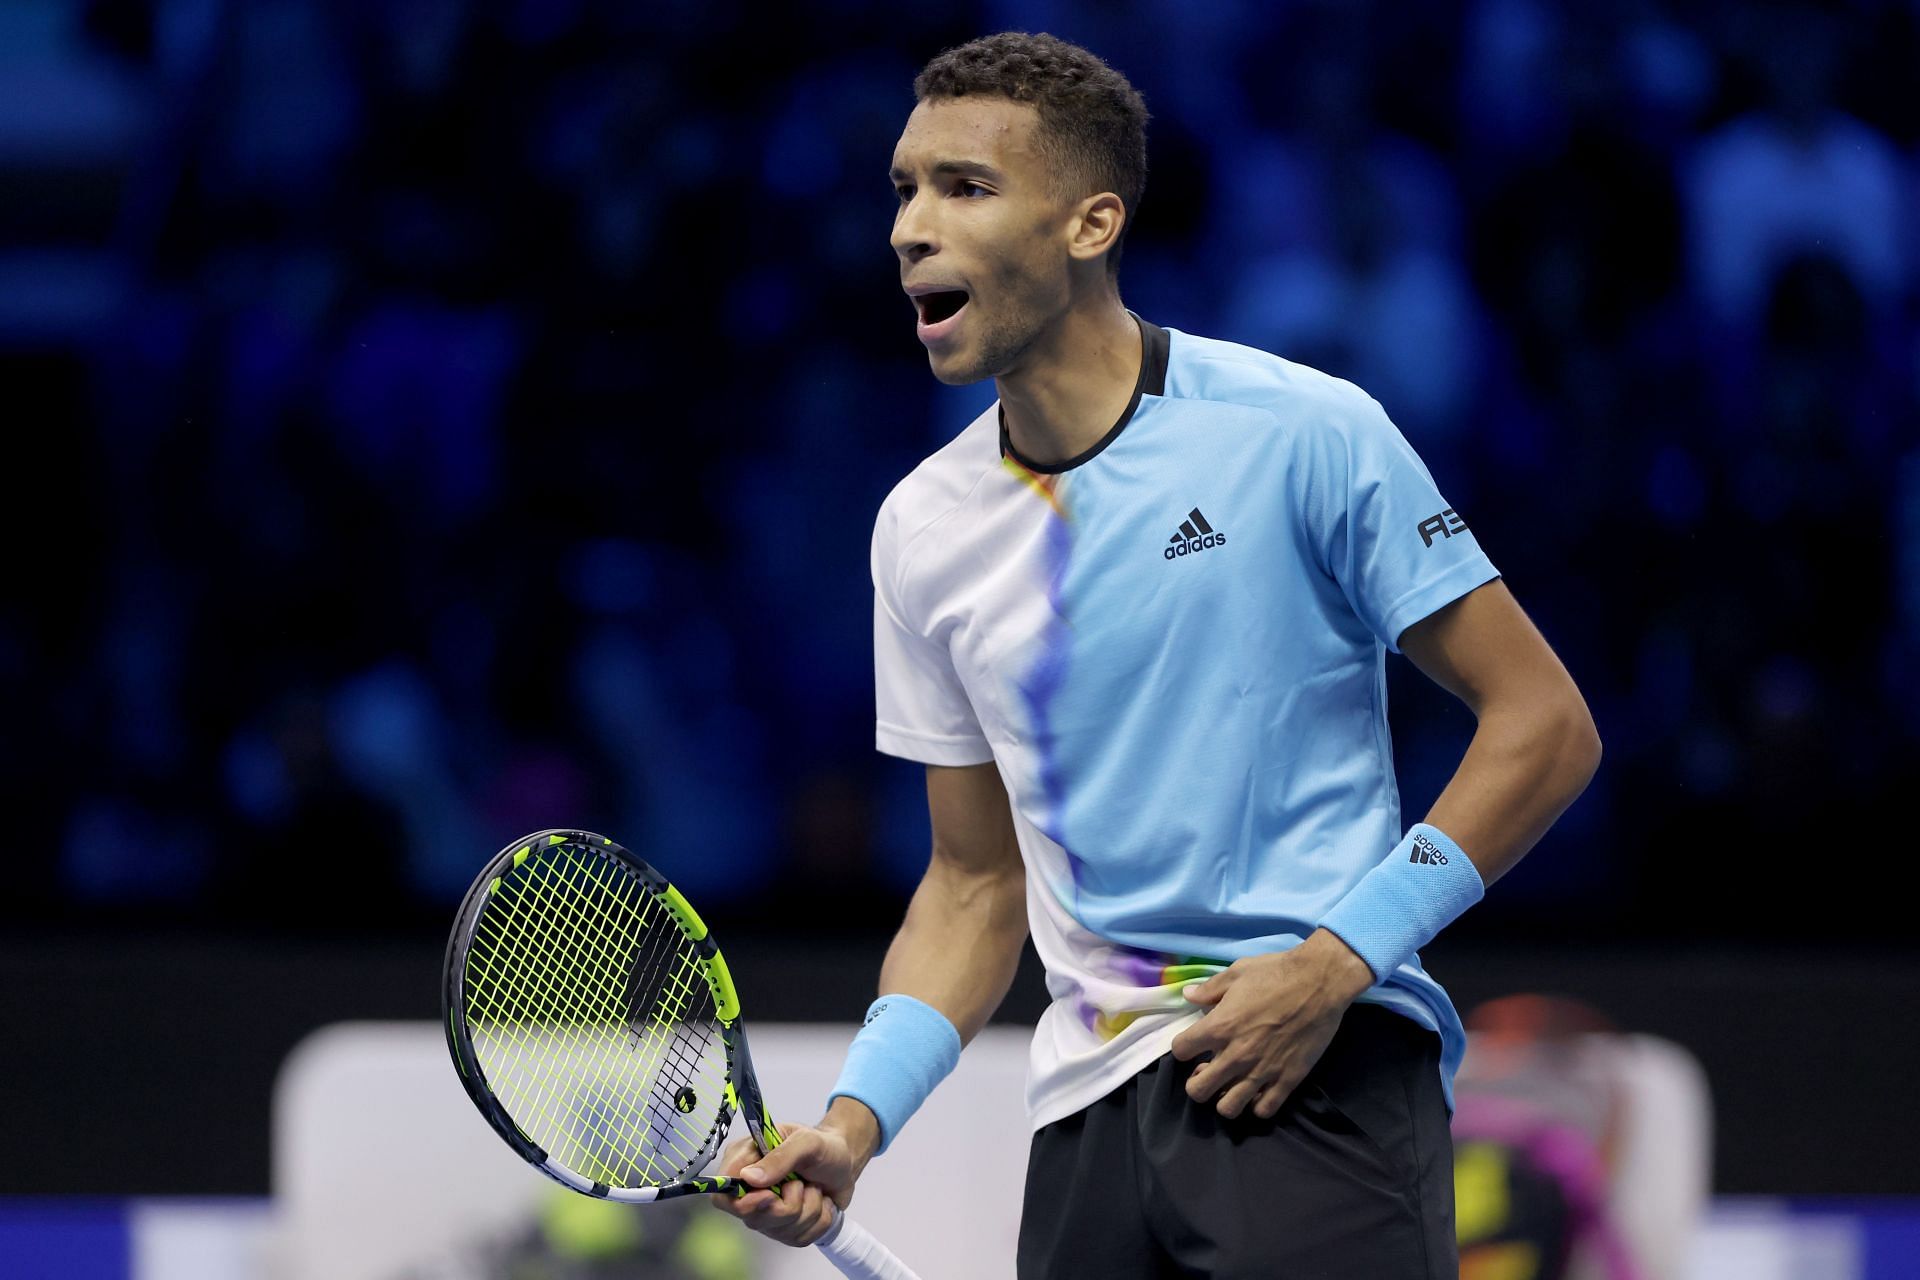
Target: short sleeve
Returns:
[[921, 711], [1397, 548]]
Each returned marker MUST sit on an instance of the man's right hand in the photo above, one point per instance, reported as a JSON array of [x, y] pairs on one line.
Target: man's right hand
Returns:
[[828, 1158]]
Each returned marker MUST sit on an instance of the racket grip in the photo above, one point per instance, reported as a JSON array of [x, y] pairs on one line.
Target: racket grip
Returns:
[[852, 1248]]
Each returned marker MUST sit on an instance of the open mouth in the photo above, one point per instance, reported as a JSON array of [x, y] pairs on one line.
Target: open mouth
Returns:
[[940, 313], [935, 307]]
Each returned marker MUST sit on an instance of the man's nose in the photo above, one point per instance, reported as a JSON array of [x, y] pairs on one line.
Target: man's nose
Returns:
[[913, 237]]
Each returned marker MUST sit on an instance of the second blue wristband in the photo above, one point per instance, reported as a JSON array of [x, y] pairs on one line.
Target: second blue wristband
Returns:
[[904, 1049], [1398, 907]]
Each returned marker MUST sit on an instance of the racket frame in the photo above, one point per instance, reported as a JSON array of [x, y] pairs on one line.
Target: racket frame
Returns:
[[742, 1096]]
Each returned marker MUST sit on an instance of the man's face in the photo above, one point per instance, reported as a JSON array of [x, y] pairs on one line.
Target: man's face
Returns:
[[980, 234]]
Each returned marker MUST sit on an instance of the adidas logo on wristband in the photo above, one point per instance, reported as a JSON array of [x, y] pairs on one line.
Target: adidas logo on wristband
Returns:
[[1426, 851]]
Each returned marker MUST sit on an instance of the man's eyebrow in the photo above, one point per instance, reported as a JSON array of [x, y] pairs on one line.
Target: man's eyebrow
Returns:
[[951, 168]]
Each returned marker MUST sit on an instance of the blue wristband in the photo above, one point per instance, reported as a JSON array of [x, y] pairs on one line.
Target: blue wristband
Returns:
[[1398, 907], [906, 1048]]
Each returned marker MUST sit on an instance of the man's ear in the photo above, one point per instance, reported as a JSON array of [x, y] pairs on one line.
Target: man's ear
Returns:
[[1097, 223]]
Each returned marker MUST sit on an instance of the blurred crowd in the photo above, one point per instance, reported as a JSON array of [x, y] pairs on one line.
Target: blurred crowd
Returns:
[[435, 420]]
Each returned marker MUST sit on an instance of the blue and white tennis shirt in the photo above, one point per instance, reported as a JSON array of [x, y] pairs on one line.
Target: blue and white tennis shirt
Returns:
[[1174, 648]]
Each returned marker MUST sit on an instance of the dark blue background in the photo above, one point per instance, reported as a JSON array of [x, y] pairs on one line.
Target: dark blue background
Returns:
[[431, 421]]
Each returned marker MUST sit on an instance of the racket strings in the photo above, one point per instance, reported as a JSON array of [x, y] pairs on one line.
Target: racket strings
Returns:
[[554, 1023], [593, 1020], [582, 902], [683, 1012], [611, 1107], [681, 1041], [610, 1112], [592, 1118]]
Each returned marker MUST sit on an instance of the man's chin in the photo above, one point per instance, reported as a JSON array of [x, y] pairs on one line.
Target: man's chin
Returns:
[[957, 371], [958, 377]]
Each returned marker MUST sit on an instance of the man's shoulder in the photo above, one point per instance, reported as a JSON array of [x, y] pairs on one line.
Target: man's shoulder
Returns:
[[1214, 370], [943, 479]]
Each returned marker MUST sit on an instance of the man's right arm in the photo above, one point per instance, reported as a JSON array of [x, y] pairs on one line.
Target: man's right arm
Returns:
[[960, 942], [956, 951]]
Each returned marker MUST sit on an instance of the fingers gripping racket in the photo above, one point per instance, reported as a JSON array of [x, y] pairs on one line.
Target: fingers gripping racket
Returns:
[[594, 1024]]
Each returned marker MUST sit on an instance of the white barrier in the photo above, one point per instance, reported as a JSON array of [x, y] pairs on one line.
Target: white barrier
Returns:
[[380, 1164]]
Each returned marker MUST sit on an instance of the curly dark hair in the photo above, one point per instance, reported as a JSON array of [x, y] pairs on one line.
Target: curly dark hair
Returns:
[[1093, 123]]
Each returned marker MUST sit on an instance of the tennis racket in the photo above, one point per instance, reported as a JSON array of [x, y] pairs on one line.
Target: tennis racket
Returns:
[[594, 1024]]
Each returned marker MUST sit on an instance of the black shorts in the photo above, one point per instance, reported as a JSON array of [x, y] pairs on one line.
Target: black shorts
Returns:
[[1352, 1180]]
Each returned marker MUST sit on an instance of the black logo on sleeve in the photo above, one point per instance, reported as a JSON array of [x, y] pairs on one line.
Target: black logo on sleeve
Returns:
[[1426, 851], [1446, 524], [1193, 536]]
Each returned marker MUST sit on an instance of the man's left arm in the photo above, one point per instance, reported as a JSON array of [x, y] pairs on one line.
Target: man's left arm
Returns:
[[1535, 747], [1533, 752]]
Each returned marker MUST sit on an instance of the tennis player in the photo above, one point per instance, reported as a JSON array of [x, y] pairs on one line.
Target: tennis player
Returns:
[[1134, 621]]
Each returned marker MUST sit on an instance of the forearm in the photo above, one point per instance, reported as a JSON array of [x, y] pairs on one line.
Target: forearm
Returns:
[[960, 942], [1529, 760], [956, 951]]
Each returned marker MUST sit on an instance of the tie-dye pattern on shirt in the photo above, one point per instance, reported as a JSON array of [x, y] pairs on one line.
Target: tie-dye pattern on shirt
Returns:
[[1048, 673], [1160, 979]]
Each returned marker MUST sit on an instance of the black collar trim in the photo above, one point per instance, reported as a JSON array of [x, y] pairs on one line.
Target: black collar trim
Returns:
[[1152, 381]]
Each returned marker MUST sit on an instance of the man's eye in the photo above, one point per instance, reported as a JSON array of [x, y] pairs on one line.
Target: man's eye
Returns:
[[965, 188]]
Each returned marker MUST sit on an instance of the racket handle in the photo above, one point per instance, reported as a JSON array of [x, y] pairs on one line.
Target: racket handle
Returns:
[[852, 1248]]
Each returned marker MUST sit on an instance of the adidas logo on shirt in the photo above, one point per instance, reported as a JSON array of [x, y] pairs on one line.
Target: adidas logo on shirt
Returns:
[[1427, 852], [1194, 536]]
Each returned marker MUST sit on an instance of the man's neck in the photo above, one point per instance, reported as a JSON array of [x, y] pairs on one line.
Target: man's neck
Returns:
[[1074, 386]]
